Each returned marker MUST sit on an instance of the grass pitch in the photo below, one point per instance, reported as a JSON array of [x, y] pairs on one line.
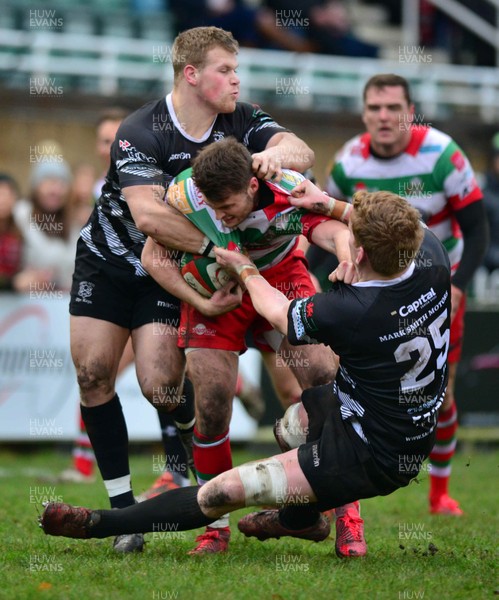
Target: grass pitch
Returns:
[[411, 554]]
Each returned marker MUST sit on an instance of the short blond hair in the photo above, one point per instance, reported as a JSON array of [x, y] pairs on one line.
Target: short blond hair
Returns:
[[191, 46], [388, 228]]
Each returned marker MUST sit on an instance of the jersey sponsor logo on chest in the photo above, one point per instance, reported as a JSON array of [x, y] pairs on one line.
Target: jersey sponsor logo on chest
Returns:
[[180, 156]]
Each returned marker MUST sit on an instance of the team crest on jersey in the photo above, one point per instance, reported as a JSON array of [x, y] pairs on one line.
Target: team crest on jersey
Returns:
[[124, 144], [218, 135]]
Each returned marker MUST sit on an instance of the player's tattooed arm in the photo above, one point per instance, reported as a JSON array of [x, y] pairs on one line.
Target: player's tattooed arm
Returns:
[[308, 196]]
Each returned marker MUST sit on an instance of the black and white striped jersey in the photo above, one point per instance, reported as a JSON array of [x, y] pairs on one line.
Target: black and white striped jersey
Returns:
[[151, 148]]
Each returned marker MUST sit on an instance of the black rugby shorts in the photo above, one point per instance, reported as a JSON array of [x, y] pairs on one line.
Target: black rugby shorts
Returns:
[[337, 463], [102, 290]]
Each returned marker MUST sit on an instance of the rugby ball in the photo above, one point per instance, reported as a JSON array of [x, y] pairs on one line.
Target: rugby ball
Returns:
[[203, 274]]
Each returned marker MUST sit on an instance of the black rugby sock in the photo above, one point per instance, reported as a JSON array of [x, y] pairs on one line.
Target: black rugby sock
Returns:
[[106, 428], [176, 510]]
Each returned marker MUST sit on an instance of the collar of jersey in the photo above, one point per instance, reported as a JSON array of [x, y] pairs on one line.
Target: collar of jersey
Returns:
[[176, 122], [386, 283]]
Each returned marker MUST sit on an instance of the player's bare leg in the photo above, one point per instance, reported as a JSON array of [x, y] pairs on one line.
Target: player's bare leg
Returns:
[[96, 349], [160, 365], [270, 482], [443, 451], [312, 365], [160, 368], [285, 384], [213, 374]]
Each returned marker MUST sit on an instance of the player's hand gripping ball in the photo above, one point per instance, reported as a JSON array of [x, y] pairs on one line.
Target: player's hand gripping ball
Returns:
[[203, 274]]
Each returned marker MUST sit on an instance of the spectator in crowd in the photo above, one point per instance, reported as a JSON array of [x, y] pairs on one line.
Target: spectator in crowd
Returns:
[[232, 15], [46, 224], [11, 241], [322, 26], [491, 200]]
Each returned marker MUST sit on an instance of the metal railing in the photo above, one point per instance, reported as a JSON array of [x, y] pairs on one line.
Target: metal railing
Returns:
[[456, 11], [298, 81]]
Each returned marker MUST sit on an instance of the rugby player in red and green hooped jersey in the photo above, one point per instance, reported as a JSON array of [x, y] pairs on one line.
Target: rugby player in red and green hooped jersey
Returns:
[[425, 166]]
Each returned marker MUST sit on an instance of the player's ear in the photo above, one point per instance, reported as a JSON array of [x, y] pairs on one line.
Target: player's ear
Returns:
[[411, 112], [360, 255], [190, 74], [253, 184]]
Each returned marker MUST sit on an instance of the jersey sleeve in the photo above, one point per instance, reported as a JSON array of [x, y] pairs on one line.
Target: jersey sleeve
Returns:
[[333, 318], [135, 152], [257, 127], [309, 222], [317, 319], [454, 174]]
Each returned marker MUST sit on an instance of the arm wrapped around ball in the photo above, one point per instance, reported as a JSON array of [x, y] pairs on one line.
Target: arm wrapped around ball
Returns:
[[163, 267]]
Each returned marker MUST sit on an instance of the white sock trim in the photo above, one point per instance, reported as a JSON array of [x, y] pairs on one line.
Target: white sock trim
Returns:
[[186, 425], [438, 449], [439, 471], [118, 486]]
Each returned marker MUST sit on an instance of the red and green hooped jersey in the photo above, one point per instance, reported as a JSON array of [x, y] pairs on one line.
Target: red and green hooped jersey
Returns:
[[268, 234], [432, 173]]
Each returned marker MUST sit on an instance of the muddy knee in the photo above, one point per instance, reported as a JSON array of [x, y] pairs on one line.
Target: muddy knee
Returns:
[[95, 381]]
